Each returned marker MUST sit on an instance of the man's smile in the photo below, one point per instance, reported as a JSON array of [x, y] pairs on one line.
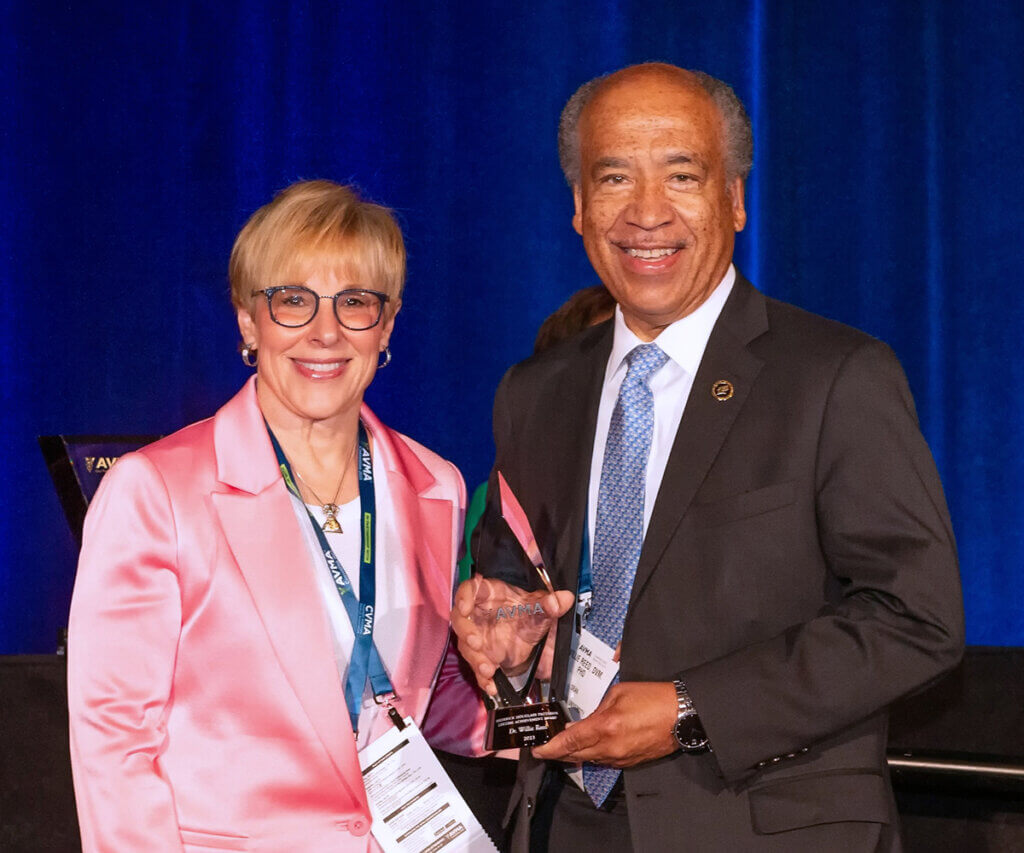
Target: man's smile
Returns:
[[650, 254], [646, 258]]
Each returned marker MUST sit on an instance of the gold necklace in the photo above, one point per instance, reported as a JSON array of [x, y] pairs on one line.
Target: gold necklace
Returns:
[[331, 524]]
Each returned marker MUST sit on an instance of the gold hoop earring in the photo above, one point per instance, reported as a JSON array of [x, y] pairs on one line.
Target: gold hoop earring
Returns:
[[248, 352], [387, 359]]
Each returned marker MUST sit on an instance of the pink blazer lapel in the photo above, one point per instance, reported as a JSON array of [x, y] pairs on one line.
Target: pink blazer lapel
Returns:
[[422, 547], [263, 534]]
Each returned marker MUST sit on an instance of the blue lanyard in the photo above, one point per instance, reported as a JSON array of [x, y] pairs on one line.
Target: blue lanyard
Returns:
[[366, 662], [585, 587], [584, 599]]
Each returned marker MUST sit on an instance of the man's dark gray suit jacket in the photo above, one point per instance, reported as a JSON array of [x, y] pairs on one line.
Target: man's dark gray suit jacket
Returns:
[[799, 573]]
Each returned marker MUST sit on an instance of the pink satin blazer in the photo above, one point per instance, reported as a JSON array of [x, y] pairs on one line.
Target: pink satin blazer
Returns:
[[205, 703]]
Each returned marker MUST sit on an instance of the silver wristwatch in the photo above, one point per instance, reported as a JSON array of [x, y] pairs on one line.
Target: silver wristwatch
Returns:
[[688, 731]]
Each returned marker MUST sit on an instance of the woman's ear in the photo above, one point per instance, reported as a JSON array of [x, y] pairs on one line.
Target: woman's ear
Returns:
[[388, 324], [247, 327]]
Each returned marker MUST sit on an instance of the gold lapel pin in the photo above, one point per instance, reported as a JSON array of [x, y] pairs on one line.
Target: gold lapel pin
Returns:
[[722, 390]]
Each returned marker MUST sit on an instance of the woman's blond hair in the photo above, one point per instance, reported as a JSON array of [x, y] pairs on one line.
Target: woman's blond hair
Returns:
[[312, 225]]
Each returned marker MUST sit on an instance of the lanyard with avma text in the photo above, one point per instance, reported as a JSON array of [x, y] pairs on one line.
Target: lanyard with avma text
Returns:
[[585, 586], [366, 662]]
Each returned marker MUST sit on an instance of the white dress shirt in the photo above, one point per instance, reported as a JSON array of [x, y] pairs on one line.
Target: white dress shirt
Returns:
[[391, 609], [684, 342]]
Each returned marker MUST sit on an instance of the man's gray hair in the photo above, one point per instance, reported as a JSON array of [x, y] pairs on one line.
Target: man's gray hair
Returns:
[[739, 137]]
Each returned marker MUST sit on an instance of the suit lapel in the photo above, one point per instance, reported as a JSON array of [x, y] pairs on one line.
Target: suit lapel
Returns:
[[264, 537], [574, 428], [429, 596], [576, 402], [706, 420], [263, 533]]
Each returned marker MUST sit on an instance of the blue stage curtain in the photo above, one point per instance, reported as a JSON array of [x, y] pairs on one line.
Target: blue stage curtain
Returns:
[[137, 138]]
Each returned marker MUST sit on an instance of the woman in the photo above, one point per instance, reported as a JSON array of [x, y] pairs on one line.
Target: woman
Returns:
[[215, 679]]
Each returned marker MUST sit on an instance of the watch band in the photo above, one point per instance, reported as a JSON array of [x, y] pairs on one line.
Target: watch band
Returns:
[[684, 704]]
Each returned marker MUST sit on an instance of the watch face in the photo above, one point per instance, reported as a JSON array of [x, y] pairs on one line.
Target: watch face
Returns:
[[690, 734]]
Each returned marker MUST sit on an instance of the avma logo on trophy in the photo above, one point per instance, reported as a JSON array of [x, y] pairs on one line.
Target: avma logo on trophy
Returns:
[[99, 463], [513, 611]]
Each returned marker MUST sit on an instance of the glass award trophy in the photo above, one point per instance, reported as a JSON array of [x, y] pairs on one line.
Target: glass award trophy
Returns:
[[515, 627]]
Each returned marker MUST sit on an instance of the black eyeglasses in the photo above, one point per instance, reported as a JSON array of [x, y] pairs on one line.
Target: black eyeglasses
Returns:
[[294, 305]]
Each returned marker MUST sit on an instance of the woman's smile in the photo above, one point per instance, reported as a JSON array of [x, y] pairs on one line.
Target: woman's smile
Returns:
[[319, 369]]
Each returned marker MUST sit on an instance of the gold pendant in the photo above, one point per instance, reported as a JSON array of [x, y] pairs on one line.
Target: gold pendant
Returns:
[[331, 523]]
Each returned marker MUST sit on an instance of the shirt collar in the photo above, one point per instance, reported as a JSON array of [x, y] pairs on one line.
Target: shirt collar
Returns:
[[683, 341]]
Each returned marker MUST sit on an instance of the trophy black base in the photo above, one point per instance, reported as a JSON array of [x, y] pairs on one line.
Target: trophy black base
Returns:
[[519, 726]]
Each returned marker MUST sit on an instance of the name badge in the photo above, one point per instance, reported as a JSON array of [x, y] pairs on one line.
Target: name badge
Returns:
[[414, 805], [593, 671]]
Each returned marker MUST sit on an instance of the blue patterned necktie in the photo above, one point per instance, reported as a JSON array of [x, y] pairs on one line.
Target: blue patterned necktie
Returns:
[[619, 527]]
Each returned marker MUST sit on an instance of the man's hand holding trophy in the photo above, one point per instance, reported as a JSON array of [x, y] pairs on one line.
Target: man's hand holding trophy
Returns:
[[505, 635]]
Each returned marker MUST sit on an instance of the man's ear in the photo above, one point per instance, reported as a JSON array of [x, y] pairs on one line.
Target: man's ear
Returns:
[[739, 212], [577, 217]]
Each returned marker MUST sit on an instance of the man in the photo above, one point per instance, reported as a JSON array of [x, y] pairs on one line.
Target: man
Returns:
[[751, 491]]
